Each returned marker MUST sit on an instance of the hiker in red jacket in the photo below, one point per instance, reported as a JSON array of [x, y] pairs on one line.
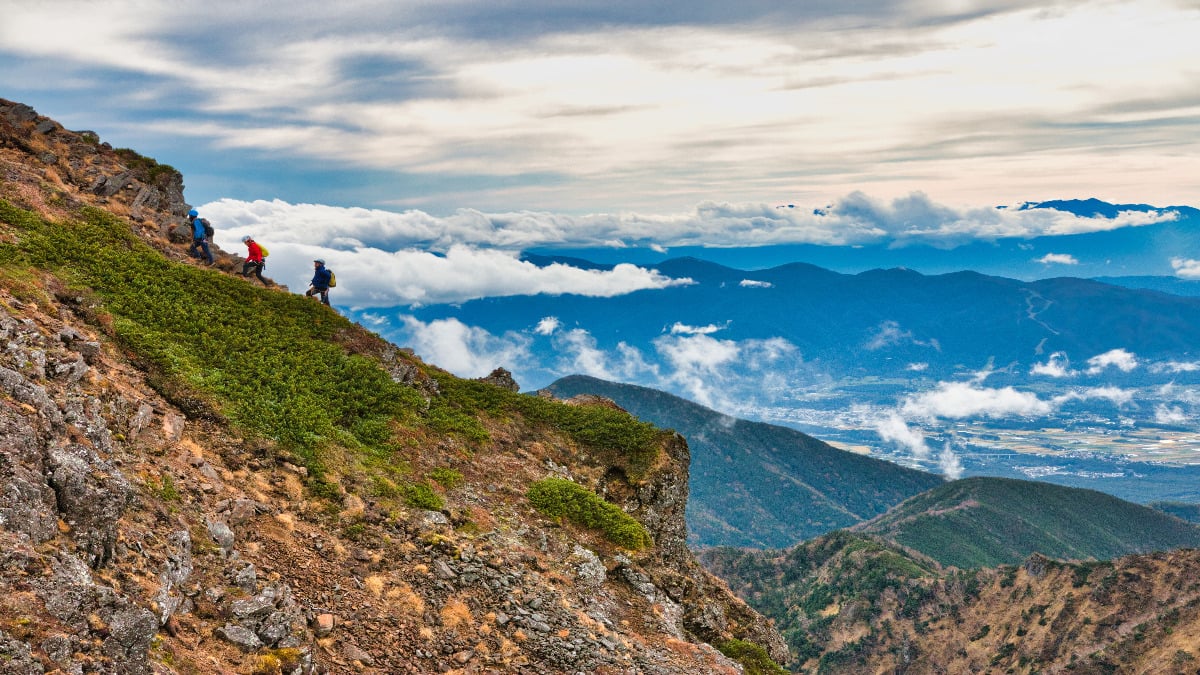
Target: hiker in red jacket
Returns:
[[254, 259]]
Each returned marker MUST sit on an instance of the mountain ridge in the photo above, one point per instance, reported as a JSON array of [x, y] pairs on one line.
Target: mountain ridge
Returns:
[[756, 484]]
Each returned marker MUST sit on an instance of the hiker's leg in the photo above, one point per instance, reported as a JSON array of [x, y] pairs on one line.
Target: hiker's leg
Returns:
[[325, 296]]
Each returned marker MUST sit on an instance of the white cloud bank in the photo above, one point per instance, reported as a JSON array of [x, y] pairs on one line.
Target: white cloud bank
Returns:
[[387, 258], [854, 219], [371, 277]]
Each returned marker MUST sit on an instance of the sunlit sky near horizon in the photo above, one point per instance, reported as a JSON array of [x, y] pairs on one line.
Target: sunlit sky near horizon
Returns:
[[607, 107]]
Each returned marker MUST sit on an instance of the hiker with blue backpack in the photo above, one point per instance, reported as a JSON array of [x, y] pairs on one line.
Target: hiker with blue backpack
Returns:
[[255, 259], [202, 232], [322, 279]]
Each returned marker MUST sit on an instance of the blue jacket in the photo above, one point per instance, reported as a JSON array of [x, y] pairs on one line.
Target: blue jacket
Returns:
[[320, 280], [197, 229]]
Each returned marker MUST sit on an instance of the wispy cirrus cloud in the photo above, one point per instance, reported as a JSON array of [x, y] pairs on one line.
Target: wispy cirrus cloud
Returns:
[[890, 333], [472, 103]]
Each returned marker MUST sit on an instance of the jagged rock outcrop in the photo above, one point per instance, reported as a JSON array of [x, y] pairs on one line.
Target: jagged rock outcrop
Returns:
[[82, 169]]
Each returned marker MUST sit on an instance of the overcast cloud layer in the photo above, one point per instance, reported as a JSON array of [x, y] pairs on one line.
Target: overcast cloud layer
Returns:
[[603, 107]]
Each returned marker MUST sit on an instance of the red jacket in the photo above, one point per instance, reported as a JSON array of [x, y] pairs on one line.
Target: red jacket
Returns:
[[255, 251]]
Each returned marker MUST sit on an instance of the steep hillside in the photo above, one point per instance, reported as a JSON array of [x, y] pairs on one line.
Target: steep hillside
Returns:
[[851, 605], [985, 522], [201, 475], [761, 485]]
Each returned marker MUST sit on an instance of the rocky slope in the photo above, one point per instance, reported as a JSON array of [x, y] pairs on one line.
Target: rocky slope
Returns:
[[148, 525], [854, 604]]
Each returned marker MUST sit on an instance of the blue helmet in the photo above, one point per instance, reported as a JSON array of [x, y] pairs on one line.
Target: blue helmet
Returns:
[[193, 213]]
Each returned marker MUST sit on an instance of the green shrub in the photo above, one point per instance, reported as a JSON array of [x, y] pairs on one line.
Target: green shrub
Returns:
[[447, 478], [754, 659], [616, 437], [421, 496], [561, 498], [166, 489]]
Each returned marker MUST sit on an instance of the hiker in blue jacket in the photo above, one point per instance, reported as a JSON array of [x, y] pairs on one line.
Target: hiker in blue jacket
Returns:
[[199, 237], [320, 281]]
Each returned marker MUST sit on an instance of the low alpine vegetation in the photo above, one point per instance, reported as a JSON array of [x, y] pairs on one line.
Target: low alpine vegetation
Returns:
[[561, 498]]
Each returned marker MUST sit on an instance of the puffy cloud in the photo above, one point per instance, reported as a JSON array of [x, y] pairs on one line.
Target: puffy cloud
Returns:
[[696, 363], [466, 351], [1170, 414], [581, 355], [751, 283], [957, 400], [894, 429], [917, 367], [547, 326], [949, 463], [679, 328], [1058, 365], [1058, 259], [727, 375], [1115, 358], [1186, 268], [1176, 367]]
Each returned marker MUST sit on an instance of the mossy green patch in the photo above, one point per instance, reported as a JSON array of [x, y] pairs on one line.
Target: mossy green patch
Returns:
[[561, 498]]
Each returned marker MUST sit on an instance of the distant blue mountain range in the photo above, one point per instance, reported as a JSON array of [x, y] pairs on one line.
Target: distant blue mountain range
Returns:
[[1128, 251], [874, 323]]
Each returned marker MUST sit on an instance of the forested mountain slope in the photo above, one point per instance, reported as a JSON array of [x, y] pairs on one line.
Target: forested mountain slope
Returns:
[[762, 485]]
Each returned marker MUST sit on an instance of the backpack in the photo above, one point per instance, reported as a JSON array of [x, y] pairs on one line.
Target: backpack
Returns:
[[208, 228], [332, 279], [263, 249]]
